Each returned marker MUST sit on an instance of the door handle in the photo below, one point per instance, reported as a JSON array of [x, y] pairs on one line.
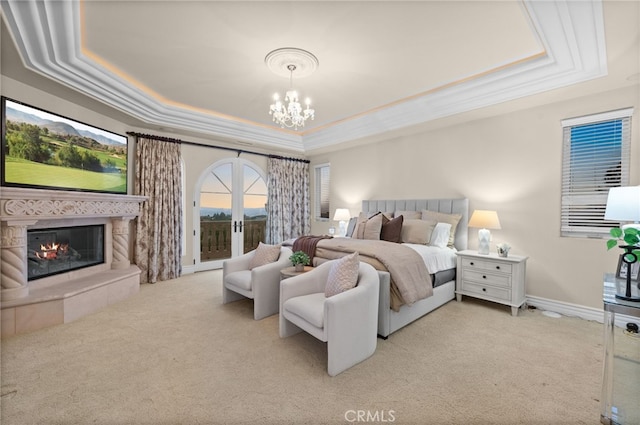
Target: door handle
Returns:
[[235, 226], [240, 222]]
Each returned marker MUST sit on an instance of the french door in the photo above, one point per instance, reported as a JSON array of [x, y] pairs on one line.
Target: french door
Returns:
[[230, 214]]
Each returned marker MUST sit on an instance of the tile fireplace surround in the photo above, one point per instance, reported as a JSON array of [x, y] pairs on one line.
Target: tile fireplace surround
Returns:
[[28, 306]]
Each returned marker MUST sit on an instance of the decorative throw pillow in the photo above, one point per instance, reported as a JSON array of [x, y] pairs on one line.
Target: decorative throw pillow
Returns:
[[416, 231], [343, 275], [435, 217], [392, 229], [264, 254], [409, 215], [369, 228], [440, 235]]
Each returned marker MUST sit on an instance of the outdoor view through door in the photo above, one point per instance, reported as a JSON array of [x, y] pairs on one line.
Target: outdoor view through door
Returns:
[[233, 217]]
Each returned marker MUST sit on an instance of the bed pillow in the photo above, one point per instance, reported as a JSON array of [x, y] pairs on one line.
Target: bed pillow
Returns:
[[264, 254], [343, 275], [351, 226], [409, 215], [435, 217], [369, 228], [392, 229], [440, 235], [416, 231]]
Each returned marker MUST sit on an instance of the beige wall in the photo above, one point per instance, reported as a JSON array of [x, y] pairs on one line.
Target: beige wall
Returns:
[[509, 163]]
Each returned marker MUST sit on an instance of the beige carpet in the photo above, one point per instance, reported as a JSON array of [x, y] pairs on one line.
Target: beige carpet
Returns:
[[173, 354]]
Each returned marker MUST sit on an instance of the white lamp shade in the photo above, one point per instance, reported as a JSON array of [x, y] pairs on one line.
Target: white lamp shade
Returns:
[[623, 204], [342, 214], [484, 219]]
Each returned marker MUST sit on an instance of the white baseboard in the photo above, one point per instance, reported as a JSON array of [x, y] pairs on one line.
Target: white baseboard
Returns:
[[188, 269], [575, 310]]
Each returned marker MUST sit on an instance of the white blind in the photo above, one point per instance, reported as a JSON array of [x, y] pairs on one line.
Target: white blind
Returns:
[[322, 191], [595, 158]]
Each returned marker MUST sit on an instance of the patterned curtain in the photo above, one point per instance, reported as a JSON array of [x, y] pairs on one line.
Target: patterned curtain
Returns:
[[288, 214], [158, 247]]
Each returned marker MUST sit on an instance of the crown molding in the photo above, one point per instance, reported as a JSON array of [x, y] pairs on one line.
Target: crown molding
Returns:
[[47, 34]]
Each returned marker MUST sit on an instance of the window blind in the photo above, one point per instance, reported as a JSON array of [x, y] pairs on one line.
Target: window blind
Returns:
[[322, 191], [595, 158]]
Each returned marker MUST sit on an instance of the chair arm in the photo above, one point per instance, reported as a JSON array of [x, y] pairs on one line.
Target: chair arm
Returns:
[[353, 314], [237, 264], [304, 284]]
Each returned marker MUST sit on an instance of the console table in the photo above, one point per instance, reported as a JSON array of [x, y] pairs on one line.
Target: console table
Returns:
[[621, 374]]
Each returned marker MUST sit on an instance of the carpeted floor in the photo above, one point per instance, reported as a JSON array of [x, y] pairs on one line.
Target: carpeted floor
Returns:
[[173, 354]]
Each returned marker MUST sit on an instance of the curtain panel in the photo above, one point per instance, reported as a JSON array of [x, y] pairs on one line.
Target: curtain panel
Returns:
[[158, 246], [288, 210]]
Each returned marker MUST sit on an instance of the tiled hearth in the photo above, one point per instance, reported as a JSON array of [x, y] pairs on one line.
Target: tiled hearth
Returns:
[[31, 305]]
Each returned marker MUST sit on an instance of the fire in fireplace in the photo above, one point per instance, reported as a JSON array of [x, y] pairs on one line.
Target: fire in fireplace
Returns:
[[60, 250]]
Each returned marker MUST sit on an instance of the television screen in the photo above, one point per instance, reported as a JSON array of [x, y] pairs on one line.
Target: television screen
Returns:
[[47, 151]]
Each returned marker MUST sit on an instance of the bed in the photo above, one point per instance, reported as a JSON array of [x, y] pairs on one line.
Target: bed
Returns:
[[391, 315]]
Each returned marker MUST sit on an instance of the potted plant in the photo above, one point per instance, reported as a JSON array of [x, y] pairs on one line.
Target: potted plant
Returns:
[[630, 236], [299, 259]]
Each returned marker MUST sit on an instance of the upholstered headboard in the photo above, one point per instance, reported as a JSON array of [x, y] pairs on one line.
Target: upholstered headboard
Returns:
[[449, 206]]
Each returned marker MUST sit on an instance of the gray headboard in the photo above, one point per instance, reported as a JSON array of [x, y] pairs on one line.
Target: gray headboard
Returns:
[[449, 206]]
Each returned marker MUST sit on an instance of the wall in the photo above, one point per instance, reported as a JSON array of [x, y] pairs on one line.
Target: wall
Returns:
[[510, 163]]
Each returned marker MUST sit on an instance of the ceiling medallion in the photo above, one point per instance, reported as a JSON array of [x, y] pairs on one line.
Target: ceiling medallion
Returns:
[[286, 62]]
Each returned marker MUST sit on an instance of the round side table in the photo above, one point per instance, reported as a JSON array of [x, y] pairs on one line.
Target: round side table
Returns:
[[291, 271]]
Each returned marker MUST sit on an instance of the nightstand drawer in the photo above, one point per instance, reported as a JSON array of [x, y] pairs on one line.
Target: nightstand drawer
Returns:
[[490, 291], [486, 278], [486, 265]]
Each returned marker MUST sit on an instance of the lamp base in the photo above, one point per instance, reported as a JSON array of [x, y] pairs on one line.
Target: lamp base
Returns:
[[624, 297], [484, 239]]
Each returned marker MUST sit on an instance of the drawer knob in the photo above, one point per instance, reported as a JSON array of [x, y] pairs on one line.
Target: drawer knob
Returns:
[[484, 289], [471, 263], [498, 267], [484, 277]]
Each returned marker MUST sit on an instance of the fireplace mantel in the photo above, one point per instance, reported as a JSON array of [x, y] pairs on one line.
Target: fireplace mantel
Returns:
[[29, 204], [68, 295]]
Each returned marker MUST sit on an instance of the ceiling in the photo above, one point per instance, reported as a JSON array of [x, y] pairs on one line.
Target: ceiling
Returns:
[[383, 65]]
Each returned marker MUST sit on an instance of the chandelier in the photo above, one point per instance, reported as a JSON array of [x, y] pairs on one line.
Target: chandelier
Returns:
[[289, 112]]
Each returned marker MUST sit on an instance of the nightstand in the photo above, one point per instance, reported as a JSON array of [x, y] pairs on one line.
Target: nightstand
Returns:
[[492, 278]]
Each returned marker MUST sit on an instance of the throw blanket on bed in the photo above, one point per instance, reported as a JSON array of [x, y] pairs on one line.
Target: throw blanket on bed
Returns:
[[408, 272], [307, 244]]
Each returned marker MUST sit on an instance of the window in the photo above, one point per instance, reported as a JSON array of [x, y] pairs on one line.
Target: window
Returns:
[[595, 157], [322, 179]]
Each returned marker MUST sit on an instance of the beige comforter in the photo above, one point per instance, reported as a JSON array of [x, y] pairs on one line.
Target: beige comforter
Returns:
[[410, 279]]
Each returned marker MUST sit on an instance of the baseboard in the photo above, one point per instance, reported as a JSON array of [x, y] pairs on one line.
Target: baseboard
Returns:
[[190, 269], [576, 310]]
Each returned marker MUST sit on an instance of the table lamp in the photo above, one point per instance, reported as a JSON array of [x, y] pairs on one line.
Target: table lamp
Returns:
[[342, 215], [623, 204], [484, 220]]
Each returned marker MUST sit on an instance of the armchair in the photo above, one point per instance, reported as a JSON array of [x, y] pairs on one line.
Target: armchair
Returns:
[[262, 284], [347, 322]]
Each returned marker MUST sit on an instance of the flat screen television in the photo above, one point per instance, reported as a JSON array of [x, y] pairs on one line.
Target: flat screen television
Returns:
[[42, 150]]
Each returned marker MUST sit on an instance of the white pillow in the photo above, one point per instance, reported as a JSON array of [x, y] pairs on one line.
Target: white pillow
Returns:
[[440, 235]]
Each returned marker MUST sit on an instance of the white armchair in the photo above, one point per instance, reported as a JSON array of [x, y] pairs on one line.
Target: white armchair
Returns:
[[262, 284], [347, 322]]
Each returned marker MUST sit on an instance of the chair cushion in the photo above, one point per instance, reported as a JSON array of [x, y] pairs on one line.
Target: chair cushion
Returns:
[[308, 307], [240, 279], [264, 254], [343, 275]]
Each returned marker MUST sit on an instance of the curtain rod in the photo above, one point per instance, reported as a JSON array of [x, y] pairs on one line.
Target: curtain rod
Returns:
[[226, 148]]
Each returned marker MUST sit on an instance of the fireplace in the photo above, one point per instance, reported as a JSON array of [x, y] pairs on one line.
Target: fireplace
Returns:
[[63, 249], [64, 255]]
